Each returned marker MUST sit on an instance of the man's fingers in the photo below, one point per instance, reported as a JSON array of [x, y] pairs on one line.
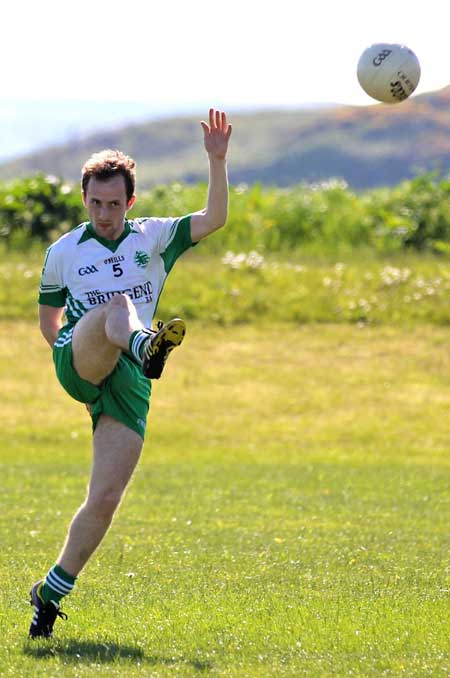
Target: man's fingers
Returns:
[[217, 119], [223, 121], [217, 123], [226, 127]]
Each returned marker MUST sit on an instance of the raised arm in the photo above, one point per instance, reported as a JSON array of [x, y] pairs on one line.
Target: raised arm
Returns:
[[214, 216]]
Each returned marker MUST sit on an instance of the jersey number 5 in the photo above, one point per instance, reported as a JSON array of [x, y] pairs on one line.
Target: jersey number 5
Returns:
[[117, 270]]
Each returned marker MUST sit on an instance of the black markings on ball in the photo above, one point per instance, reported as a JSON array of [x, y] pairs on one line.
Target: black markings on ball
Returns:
[[381, 56]]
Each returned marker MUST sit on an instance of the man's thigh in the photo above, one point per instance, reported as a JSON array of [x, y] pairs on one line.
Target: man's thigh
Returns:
[[78, 388], [116, 452], [94, 357]]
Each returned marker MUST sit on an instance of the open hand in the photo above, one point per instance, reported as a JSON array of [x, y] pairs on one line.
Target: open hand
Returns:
[[216, 134]]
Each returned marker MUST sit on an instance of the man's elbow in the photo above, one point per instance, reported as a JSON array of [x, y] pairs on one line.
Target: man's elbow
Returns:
[[213, 226], [49, 333], [219, 223], [219, 220]]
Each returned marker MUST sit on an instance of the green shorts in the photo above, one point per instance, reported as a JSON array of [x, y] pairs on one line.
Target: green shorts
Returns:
[[124, 395]]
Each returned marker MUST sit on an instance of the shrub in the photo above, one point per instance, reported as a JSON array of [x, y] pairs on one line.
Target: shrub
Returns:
[[325, 218], [37, 208]]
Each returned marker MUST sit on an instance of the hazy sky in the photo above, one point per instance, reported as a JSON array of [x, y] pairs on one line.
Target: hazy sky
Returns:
[[228, 53]]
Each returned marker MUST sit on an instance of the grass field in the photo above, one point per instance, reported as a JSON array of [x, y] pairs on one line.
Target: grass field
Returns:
[[289, 517]]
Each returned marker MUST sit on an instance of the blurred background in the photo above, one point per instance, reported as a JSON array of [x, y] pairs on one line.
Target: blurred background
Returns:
[[139, 76], [314, 162]]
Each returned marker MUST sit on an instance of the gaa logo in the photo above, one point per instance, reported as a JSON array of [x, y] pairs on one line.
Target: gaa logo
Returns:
[[381, 56], [87, 270]]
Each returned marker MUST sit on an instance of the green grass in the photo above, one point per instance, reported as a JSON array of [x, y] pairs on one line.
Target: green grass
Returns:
[[289, 516]]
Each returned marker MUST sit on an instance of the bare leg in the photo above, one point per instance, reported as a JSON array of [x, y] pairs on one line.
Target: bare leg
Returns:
[[97, 342], [100, 335], [116, 453]]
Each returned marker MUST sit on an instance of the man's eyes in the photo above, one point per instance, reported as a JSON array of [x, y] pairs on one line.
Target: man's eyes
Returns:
[[114, 203]]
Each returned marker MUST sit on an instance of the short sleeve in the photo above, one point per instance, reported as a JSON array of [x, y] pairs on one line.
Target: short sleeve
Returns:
[[174, 239], [52, 291]]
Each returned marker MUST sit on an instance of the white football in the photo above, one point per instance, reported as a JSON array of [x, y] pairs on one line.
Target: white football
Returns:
[[388, 73]]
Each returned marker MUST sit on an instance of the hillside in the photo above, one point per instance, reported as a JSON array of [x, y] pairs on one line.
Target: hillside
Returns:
[[28, 126], [367, 146]]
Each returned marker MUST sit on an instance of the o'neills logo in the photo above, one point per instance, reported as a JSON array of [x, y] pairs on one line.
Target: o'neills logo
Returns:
[[114, 260], [143, 293]]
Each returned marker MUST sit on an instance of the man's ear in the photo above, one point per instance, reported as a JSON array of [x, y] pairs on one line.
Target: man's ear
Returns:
[[131, 202]]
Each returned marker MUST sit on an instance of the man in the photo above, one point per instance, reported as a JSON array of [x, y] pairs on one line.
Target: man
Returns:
[[107, 275]]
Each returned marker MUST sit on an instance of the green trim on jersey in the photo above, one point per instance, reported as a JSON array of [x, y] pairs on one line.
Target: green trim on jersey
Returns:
[[111, 245], [75, 309], [45, 260], [52, 297], [180, 241]]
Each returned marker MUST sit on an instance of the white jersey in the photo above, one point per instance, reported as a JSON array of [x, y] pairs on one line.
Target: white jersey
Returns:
[[83, 270]]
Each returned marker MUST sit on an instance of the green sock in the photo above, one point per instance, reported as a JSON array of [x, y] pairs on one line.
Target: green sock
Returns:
[[57, 584]]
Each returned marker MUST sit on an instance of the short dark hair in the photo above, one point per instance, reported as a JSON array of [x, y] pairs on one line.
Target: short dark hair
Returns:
[[107, 164]]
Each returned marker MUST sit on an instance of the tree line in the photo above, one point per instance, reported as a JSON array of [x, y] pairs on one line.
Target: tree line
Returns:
[[415, 214]]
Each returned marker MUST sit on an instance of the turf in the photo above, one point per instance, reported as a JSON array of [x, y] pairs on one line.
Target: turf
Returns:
[[289, 516]]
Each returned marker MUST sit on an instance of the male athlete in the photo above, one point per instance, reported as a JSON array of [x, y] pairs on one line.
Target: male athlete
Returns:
[[107, 275]]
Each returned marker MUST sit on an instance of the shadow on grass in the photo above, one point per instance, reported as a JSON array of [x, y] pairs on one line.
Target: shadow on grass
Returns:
[[80, 652]]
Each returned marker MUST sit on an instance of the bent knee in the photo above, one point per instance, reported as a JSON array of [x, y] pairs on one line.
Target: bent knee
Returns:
[[119, 301]]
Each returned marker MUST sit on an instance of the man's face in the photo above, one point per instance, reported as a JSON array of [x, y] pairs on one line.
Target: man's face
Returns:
[[106, 204]]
